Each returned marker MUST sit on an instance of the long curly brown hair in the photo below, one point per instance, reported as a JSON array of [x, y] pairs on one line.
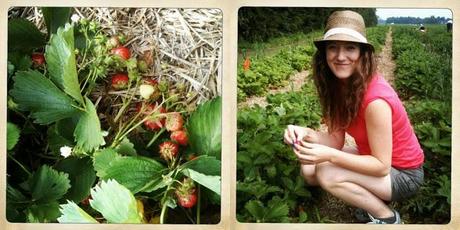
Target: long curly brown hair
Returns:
[[341, 101]]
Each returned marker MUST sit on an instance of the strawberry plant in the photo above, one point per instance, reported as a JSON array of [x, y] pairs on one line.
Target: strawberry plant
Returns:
[[86, 127]]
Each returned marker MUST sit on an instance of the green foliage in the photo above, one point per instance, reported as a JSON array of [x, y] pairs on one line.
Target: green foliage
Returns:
[[24, 36], [115, 202], [88, 133], [37, 94], [266, 167], [55, 17], [81, 174], [60, 57], [13, 133], [135, 173], [204, 128], [423, 75]]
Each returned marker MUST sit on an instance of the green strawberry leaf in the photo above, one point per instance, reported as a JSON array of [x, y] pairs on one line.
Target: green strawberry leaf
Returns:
[[35, 93], [126, 147], [210, 182], [60, 59], [134, 172], [56, 140], [55, 17], [12, 132], [115, 202], [81, 174], [48, 185], [208, 165], [43, 213], [88, 133], [72, 214], [102, 160], [256, 209], [24, 36], [204, 128]]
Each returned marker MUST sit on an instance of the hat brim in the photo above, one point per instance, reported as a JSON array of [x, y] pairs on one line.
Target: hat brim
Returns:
[[340, 37]]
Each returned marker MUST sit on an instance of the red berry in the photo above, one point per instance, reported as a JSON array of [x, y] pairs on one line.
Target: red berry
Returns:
[[174, 121], [120, 81], [38, 59], [156, 122], [122, 52], [180, 136], [186, 193], [168, 150], [187, 200]]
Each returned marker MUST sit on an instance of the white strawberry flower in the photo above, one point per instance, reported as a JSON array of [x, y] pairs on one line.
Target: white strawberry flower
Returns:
[[75, 18], [66, 151]]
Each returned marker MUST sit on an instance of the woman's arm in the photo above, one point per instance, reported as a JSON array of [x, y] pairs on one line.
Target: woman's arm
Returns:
[[379, 132]]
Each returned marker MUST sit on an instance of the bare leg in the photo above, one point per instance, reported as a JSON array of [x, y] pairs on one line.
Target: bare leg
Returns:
[[309, 174], [366, 192]]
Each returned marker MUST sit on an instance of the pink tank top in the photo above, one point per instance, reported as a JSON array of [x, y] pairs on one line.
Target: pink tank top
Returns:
[[407, 152]]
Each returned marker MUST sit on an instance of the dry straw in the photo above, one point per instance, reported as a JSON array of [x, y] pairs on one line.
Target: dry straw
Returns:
[[186, 44]]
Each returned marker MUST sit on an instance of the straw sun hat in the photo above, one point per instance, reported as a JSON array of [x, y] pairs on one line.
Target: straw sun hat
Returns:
[[344, 26]]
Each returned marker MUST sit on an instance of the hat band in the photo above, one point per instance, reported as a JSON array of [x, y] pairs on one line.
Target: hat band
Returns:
[[347, 31]]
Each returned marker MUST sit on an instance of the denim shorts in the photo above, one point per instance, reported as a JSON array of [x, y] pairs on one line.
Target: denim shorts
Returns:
[[405, 182]]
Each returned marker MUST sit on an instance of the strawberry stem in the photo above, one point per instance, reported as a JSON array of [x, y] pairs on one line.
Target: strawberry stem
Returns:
[[154, 138]]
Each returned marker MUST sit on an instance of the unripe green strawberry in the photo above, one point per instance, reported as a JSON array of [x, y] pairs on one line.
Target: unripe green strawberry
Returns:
[[174, 121]]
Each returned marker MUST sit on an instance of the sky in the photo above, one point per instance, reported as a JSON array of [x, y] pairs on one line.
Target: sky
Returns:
[[385, 13]]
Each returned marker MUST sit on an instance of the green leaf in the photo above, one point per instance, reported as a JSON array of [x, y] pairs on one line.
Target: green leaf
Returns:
[[24, 36], [60, 59], [72, 214], [205, 164], [204, 128], [20, 61], [36, 93], [126, 147], [276, 209], [115, 202], [81, 174], [48, 185], [134, 172], [12, 135], [56, 140], [256, 209], [210, 182], [88, 133], [102, 160], [55, 17], [43, 213]]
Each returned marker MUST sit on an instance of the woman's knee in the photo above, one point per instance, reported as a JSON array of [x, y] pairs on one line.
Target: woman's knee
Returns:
[[308, 173], [327, 175]]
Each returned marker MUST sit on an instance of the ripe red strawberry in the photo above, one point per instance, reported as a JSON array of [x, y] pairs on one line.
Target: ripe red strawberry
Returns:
[[120, 81], [122, 52], [154, 123], [38, 59], [180, 136], [174, 121], [186, 193], [168, 150]]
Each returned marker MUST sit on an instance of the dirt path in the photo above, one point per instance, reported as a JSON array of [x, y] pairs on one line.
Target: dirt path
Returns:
[[385, 64]]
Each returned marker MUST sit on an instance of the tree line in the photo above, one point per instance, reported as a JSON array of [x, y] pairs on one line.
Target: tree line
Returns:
[[258, 24], [417, 20]]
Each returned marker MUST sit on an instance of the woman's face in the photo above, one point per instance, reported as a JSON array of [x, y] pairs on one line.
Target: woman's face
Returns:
[[342, 58]]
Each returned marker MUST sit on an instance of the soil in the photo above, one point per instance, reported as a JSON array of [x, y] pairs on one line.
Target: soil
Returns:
[[327, 205]]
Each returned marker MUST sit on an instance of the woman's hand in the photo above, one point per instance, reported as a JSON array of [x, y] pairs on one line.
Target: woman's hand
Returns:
[[312, 153], [294, 133]]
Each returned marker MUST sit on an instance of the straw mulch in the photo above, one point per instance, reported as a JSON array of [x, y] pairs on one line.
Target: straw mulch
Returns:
[[185, 44]]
